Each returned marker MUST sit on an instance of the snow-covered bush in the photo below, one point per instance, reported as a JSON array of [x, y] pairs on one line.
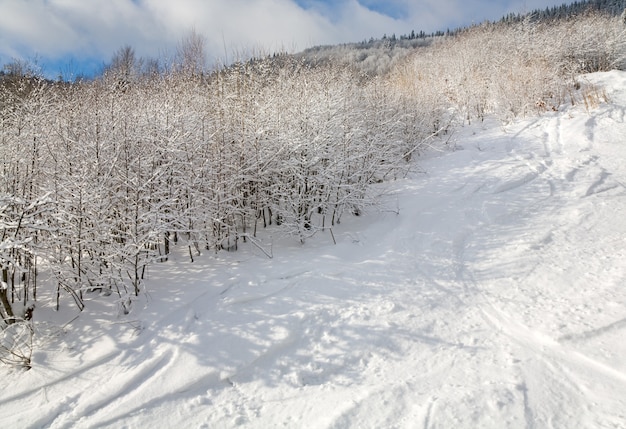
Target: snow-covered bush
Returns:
[[130, 164], [16, 344]]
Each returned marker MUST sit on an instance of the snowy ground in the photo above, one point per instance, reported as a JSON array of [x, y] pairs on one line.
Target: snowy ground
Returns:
[[496, 298]]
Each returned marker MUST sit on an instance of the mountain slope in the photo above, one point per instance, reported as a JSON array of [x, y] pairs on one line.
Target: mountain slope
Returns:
[[490, 293]]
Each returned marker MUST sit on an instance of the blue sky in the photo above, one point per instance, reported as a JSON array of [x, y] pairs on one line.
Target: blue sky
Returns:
[[69, 37]]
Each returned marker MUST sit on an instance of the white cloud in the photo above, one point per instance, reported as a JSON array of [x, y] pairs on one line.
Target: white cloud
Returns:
[[239, 24], [96, 28], [55, 28]]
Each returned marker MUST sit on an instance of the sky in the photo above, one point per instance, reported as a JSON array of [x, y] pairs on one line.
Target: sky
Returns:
[[71, 37]]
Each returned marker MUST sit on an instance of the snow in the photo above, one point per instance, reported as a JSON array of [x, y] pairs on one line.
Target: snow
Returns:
[[490, 293]]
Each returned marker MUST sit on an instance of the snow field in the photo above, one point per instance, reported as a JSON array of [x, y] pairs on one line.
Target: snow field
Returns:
[[489, 294]]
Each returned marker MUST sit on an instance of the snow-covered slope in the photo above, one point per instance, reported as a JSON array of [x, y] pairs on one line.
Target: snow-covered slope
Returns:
[[492, 293]]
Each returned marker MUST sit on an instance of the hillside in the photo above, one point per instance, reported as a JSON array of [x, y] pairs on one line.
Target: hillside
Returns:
[[489, 292], [378, 56], [417, 231]]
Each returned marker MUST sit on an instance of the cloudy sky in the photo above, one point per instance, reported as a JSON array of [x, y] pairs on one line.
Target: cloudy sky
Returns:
[[73, 36]]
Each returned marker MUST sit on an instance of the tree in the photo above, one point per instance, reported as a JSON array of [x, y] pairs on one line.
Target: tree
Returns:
[[125, 66], [20, 222], [19, 68], [191, 54]]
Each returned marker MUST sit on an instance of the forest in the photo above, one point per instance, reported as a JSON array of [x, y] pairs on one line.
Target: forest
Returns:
[[102, 178]]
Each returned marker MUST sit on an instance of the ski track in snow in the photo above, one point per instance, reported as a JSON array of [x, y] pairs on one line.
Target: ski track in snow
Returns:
[[494, 298]]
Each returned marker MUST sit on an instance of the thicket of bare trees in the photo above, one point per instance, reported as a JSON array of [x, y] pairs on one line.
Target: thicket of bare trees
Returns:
[[99, 179], [512, 70]]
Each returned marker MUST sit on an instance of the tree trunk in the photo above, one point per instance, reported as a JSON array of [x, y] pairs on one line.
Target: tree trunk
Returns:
[[4, 299]]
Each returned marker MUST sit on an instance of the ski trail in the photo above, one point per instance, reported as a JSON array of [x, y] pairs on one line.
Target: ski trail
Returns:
[[615, 326], [108, 396], [578, 374], [567, 375], [429, 413]]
